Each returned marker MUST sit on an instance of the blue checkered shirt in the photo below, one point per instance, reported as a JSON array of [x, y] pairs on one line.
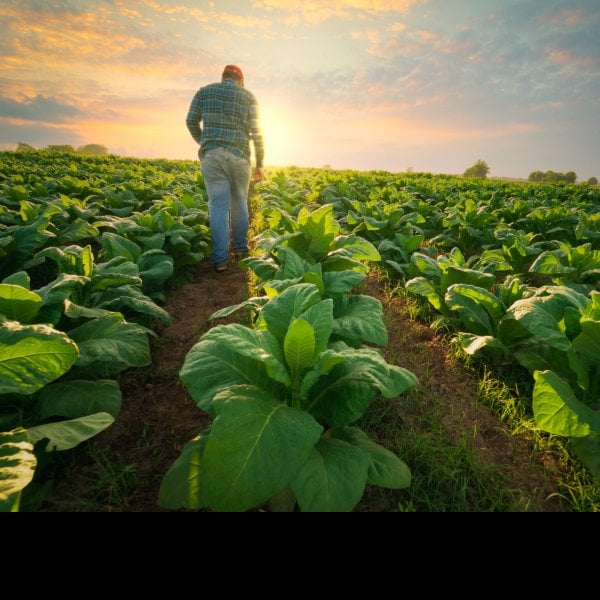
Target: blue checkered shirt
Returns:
[[229, 117]]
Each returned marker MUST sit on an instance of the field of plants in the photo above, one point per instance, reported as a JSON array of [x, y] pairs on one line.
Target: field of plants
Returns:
[[294, 384]]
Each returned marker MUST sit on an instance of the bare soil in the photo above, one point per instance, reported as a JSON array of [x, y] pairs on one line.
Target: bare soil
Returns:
[[158, 416]]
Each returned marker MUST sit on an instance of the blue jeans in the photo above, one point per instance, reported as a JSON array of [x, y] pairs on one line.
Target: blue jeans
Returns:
[[227, 178]]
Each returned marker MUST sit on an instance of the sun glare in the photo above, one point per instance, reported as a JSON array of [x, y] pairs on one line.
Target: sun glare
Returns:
[[278, 137]]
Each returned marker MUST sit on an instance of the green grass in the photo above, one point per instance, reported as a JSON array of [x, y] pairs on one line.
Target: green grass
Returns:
[[102, 486], [446, 474]]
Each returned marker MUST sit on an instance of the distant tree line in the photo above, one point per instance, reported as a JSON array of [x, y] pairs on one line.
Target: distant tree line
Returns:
[[552, 177], [90, 149]]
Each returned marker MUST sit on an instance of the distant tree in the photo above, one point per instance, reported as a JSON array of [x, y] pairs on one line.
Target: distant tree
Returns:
[[593, 181], [570, 177], [23, 147], [479, 169], [553, 177], [60, 148], [536, 176], [93, 149]]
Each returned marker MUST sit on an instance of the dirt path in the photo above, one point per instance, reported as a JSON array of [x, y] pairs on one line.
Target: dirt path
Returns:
[[158, 417]]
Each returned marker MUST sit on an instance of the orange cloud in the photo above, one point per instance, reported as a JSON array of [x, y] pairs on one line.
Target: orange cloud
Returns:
[[316, 11]]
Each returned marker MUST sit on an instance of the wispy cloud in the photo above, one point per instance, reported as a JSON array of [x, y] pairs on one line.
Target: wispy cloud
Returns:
[[317, 11]]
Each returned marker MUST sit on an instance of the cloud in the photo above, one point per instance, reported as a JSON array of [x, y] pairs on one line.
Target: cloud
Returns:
[[38, 109], [317, 11]]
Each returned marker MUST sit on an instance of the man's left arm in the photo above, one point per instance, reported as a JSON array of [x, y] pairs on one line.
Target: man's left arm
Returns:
[[256, 136]]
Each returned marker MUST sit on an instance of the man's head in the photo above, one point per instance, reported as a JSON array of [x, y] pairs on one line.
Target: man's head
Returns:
[[235, 73]]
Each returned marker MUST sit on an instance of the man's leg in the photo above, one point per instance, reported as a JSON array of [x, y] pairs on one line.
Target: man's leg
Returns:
[[240, 181], [214, 170]]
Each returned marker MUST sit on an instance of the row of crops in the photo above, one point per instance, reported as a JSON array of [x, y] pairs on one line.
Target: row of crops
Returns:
[[511, 269], [89, 246]]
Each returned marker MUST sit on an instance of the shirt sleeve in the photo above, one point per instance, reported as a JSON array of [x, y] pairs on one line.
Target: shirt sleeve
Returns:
[[255, 134], [194, 117]]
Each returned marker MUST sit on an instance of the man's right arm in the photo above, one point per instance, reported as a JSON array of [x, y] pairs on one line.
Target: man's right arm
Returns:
[[194, 117]]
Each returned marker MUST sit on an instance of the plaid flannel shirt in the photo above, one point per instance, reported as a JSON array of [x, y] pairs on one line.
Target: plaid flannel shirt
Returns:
[[229, 117]]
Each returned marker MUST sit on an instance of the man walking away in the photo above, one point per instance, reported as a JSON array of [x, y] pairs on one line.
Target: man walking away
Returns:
[[223, 119]]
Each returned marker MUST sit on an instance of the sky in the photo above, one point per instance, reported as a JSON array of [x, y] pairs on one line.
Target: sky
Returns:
[[395, 85]]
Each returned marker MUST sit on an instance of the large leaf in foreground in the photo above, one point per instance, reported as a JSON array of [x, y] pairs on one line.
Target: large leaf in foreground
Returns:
[[230, 355], [386, 469], [256, 447], [343, 395], [333, 478], [557, 410], [32, 356], [17, 466]]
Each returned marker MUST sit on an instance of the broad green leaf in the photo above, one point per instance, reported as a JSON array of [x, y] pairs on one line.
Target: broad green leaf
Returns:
[[156, 267], [256, 448], [451, 275], [17, 466], [293, 265], [357, 248], [421, 264], [320, 227], [550, 263], [19, 278], [254, 303], [333, 478], [299, 346], [277, 314], [78, 398], [325, 363], [18, 303], [251, 343], [588, 451], [538, 316], [31, 356], [111, 339], [479, 295], [557, 410], [342, 396], [116, 245], [320, 317], [472, 314], [386, 469], [423, 287], [181, 487], [78, 229], [131, 297], [63, 287], [338, 283], [587, 343], [472, 344], [213, 364], [359, 318], [65, 435]]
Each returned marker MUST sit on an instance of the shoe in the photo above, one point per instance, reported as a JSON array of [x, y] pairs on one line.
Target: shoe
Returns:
[[221, 267]]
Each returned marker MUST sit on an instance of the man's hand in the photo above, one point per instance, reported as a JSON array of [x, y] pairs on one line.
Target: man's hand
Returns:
[[258, 175]]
